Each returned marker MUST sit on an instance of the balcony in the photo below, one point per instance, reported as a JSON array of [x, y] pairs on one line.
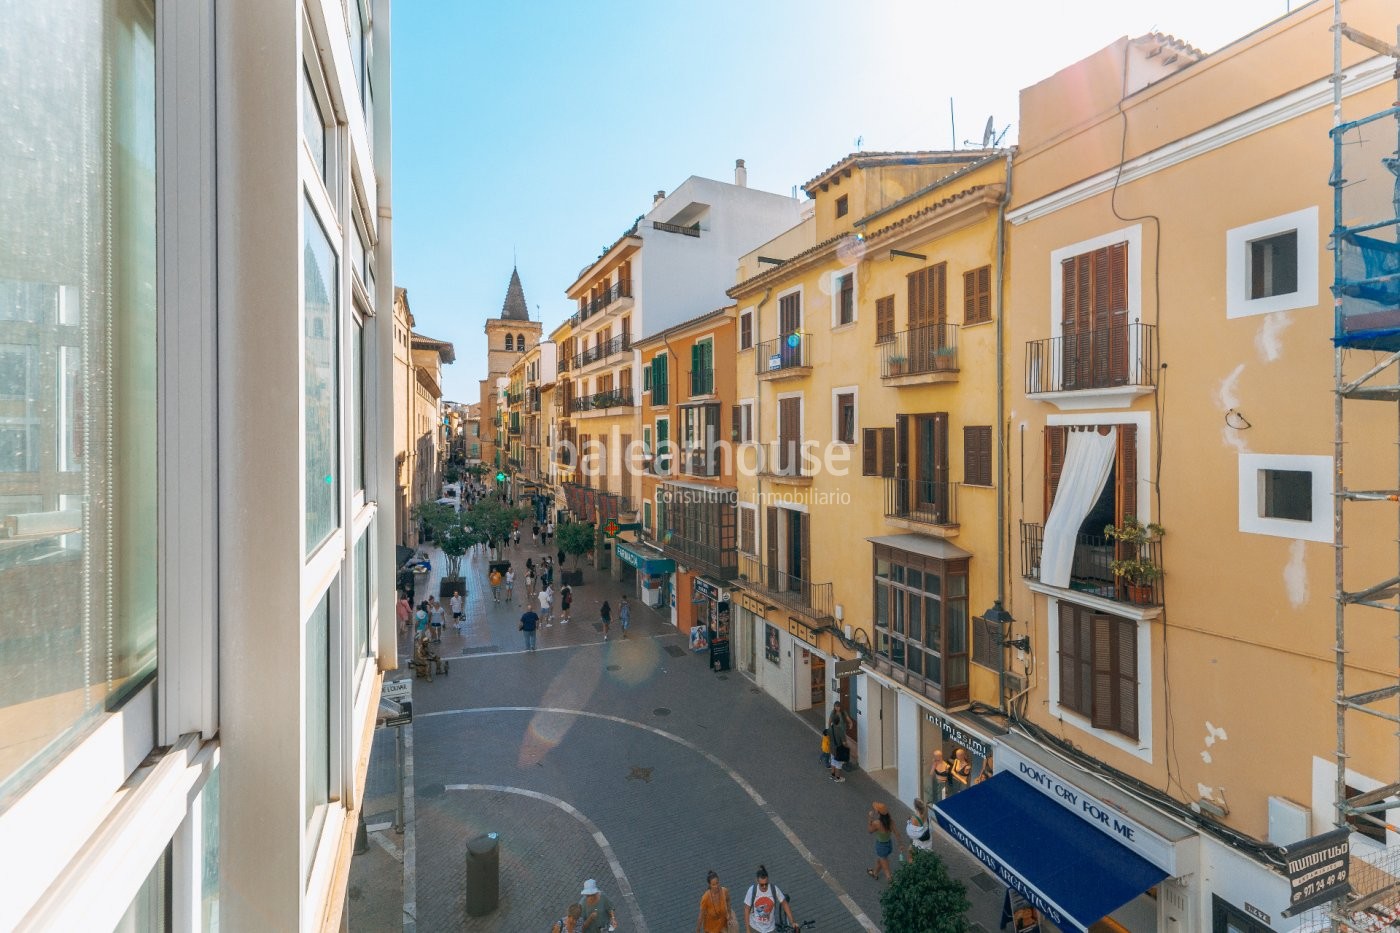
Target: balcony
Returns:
[[615, 346], [922, 502], [811, 599], [700, 462], [783, 460], [1106, 367], [618, 292], [702, 382], [693, 230], [783, 357], [920, 356], [1092, 570], [600, 402]]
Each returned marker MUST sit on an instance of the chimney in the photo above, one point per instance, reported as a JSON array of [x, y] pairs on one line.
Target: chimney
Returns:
[[658, 198], [741, 174]]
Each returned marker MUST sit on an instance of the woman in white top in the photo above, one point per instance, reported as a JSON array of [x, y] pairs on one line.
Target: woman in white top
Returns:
[[918, 830], [547, 605]]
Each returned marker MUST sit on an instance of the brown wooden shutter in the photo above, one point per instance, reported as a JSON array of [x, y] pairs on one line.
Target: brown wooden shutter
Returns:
[[1125, 481], [746, 530], [1116, 298], [1056, 438], [804, 537], [770, 547], [887, 457], [869, 452], [939, 288], [1125, 652], [981, 642], [1069, 658], [977, 295], [977, 455], [884, 319], [1105, 674], [736, 422], [917, 293], [941, 491]]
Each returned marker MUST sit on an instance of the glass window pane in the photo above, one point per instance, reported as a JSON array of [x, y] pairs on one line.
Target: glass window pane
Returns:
[[882, 568], [318, 713], [916, 660], [357, 41], [882, 606], [933, 583], [362, 595], [933, 631], [916, 616], [915, 579], [209, 884], [897, 611], [897, 573], [147, 912], [320, 300], [897, 651], [957, 672], [933, 667], [313, 124], [882, 644], [957, 626], [77, 373], [957, 585], [357, 403]]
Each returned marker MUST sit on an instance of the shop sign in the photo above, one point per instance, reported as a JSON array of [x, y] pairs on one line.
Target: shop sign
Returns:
[[752, 605], [1107, 818], [719, 636], [705, 588], [629, 558], [1015, 882], [847, 668], [952, 732], [1317, 870]]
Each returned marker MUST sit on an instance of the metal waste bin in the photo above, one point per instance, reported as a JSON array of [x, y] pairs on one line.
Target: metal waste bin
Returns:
[[483, 875]]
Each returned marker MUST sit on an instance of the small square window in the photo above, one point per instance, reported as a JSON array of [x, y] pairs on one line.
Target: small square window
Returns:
[[1273, 265], [843, 206], [1285, 494]]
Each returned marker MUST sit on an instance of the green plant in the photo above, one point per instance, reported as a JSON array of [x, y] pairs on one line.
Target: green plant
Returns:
[[575, 539], [1137, 566], [492, 520], [444, 525], [923, 898]]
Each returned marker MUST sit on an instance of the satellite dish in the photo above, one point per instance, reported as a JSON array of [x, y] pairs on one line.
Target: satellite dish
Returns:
[[989, 134]]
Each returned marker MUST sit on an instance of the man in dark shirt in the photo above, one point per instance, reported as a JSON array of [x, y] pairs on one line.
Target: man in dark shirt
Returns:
[[528, 622]]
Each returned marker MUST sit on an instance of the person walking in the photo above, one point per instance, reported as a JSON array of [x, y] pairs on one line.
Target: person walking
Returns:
[[421, 619], [548, 533], [436, 617], [529, 622], [566, 600], [571, 922], [516, 538], [941, 773], [624, 615], [455, 604], [715, 912], [547, 605], [606, 613], [598, 913], [562, 555], [535, 533], [531, 578], [761, 905], [836, 726], [496, 579], [918, 831], [879, 824], [404, 611], [510, 586]]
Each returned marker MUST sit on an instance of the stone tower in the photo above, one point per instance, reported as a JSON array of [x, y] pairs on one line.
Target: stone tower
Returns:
[[507, 337]]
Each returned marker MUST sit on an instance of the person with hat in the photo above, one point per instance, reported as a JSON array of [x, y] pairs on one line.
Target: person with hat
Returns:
[[598, 913], [879, 823]]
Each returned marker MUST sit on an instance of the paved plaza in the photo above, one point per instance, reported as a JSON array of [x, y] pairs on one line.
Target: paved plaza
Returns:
[[625, 760]]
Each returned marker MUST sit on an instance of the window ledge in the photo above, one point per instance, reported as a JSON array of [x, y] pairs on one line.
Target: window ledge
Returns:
[[989, 320], [1088, 399], [841, 328], [1109, 606]]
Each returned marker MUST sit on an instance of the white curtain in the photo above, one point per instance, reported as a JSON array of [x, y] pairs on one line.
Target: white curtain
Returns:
[[1088, 461]]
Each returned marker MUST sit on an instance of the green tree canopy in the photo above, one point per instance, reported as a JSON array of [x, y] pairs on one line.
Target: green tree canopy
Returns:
[[924, 898], [574, 539], [444, 525]]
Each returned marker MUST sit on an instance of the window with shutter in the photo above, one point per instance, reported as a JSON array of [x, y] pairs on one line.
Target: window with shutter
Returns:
[[887, 452], [977, 295], [747, 529], [1098, 668], [884, 319], [870, 452], [845, 299], [1055, 440], [977, 455], [746, 330]]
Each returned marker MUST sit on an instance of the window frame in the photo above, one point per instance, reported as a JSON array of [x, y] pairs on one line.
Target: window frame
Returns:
[[1251, 519], [842, 206], [969, 477], [1140, 748], [834, 283], [977, 299], [837, 394], [895, 627], [1238, 304], [746, 331]]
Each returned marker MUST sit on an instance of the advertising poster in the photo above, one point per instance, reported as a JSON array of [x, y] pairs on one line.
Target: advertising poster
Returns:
[[771, 649]]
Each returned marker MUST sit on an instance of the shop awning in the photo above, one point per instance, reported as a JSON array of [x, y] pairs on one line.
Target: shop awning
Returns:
[[645, 560], [1067, 869]]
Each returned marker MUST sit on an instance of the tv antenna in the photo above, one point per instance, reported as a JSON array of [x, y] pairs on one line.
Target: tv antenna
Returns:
[[991, 139]]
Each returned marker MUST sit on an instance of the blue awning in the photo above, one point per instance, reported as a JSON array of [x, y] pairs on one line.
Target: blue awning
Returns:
[[1068, 870], [648, 563]]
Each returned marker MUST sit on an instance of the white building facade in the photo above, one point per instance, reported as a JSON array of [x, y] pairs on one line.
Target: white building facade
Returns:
[[195, 443]]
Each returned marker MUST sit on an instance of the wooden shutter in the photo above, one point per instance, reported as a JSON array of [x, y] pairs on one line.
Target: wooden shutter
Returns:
[[746, 530], [804, 538], [1115, 261], [869, 452], [977, 455], [1126, 679], [884, 319], [736, 423], [977, 295], [1125, 480], [1105, 673], [789, 433], [745, 331], [918, 299], [770, 547], [939, 289], [887, 449], [1069, 657], [1055, 440]]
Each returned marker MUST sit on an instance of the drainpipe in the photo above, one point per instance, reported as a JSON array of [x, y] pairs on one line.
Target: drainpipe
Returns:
[[1003, 618], [760, 526]]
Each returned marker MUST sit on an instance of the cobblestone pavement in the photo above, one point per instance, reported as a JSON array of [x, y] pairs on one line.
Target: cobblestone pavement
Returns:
[[627, 761]]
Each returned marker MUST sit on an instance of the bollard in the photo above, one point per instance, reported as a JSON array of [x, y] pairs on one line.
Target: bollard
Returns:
[[483, 875]]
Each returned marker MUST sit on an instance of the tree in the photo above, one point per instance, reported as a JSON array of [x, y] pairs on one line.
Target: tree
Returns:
[[492, 519], [444, 525], [574, 539], [924, 898]]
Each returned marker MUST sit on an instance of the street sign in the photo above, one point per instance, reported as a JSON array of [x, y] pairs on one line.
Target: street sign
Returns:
[[396, 703], [397, 690]]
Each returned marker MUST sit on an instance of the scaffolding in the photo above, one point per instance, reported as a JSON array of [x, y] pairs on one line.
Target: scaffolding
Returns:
[[1365, 242]]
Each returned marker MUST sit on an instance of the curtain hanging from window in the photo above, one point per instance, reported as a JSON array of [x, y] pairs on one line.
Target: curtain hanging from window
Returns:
[[1088, 461]]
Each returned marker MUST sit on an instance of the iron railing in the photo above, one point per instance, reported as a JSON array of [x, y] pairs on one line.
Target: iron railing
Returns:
[[618, 344], [598, 401], [1101, 358], [702, 382], [615, 292], [1092, 568], [676, 228], [700, 461], [925, 501], [919, 351], [782, 353], [720, 561], [813, 599]]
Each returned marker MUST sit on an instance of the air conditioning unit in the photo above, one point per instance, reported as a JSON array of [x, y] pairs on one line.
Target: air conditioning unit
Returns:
[[1288, 822]]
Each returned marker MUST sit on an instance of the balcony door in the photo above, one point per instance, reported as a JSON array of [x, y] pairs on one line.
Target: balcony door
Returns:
[[789, 326], [928, 311], [931, 464], [1094, 318], [789, 435]]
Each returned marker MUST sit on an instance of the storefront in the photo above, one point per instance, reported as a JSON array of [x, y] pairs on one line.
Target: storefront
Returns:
[[962, 745], [711, 628], [1077, 850], [652, 572]]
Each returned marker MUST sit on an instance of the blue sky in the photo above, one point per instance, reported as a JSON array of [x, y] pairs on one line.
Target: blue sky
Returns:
[[540, 130]]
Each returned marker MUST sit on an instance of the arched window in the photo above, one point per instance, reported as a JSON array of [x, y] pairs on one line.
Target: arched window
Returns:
[[520, 342], [510, 342]]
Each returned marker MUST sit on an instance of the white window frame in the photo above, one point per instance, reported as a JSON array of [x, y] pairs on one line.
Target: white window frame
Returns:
[[1237, 301], [1142, 747], [1251, 522], [798, 290], [834, 286], [753, 330], [1324, 794], [1133, 237], [836, 394], [747, 426]]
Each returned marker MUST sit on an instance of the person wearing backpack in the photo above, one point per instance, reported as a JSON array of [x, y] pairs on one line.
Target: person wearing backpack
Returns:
[[761, 905]]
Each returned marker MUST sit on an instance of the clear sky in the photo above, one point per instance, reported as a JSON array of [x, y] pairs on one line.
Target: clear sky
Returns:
[[535, 132]]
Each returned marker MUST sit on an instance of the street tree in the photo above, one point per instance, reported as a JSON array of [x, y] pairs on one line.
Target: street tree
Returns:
[[444, 525], [493, 519], [924, 898], [575, 539]]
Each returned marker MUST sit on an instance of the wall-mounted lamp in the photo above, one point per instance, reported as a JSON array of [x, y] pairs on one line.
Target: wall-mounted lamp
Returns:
[[771, 261], [899, 252], [1020, 644]]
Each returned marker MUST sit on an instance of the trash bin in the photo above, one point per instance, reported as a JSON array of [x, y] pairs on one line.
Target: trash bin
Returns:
[[483, 875]]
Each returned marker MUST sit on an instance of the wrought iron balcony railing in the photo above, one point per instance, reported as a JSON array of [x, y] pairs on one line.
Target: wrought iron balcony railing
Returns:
[[781, 354], [1092, 569], [1101, 358], [676, 228], [613, 347], [925, 501], [813, 599], [919, 351], [598, 401]]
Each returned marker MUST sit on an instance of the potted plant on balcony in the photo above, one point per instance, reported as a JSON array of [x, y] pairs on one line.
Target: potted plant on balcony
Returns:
[[1135, 566], [897, 362]]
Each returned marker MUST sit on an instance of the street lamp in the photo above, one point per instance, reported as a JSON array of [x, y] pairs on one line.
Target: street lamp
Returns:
[[998, 616]]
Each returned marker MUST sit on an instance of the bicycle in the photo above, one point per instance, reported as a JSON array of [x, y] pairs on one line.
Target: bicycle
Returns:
[[784, 927]]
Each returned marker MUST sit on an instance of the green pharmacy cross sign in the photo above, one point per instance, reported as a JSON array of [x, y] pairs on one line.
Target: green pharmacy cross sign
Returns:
[[613, 528]]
